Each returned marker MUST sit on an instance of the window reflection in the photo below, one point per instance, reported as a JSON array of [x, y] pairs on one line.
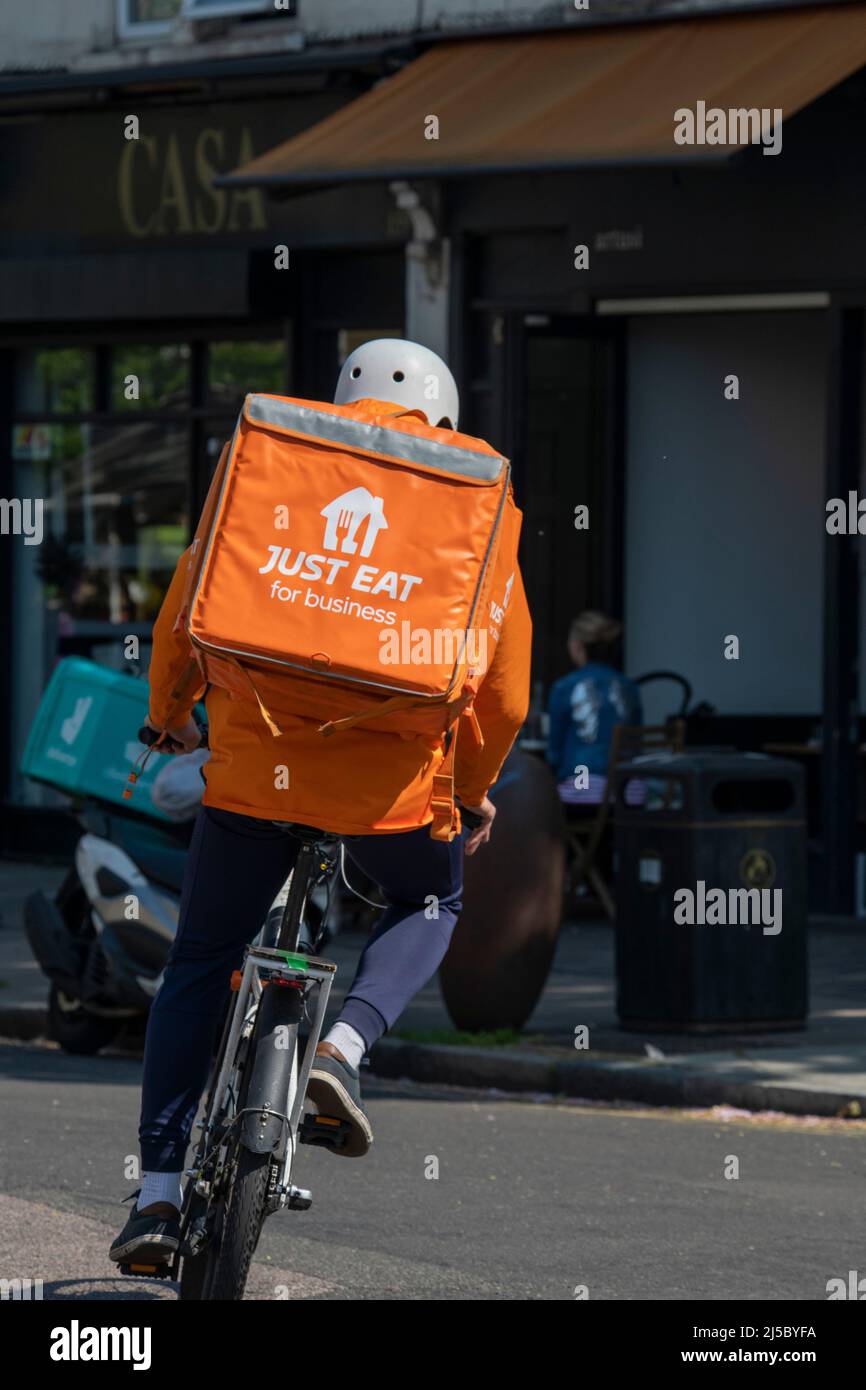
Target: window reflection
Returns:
[[151, 11], [115, 518], [55, 381], [236, 368], [150, 378]]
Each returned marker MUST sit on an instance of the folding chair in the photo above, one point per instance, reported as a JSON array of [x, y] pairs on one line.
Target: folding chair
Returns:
[[584, 832]]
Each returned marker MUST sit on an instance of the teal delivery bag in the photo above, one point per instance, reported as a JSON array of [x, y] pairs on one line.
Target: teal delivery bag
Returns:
[[84, 737]]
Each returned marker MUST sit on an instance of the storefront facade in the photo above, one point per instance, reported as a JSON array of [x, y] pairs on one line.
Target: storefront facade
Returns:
[[612, 387], [596, 319], [138, 304]]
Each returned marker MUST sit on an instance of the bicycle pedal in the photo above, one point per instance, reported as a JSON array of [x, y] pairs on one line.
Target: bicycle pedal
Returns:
[[160, 1271], [324, 1130]]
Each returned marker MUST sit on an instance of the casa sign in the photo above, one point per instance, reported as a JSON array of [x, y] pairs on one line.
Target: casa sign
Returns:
[[165, 187]]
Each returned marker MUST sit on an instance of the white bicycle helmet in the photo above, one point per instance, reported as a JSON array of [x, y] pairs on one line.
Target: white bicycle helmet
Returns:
[[393, 369]]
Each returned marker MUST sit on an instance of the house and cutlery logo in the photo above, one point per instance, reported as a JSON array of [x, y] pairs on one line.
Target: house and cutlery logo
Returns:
[[346, 513]]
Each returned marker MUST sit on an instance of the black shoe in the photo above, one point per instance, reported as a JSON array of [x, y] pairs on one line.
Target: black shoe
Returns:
[[150, 1237], [335, 1090]]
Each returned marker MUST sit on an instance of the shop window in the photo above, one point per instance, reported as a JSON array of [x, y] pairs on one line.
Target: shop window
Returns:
[[234, 368], [142, 18], [55, 381], [110, 445], [114, 519], [150, 378], [207, 9]]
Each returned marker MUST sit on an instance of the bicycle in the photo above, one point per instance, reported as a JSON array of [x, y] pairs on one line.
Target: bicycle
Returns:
[[254, 1112], [242, 1169]]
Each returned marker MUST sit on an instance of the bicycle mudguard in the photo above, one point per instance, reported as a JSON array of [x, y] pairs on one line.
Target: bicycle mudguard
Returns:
[[276, 1041]]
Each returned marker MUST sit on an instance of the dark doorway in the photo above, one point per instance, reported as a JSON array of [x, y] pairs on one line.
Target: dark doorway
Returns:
[[554, 405]]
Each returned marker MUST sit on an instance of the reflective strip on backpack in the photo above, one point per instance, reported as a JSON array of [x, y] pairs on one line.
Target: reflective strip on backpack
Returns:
[[376, 439]]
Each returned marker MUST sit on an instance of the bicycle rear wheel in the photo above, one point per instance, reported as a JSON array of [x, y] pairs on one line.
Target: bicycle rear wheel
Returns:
[[242, 1223]]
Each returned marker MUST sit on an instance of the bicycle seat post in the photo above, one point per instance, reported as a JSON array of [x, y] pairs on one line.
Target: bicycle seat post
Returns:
[[314, 844], [288, 936]]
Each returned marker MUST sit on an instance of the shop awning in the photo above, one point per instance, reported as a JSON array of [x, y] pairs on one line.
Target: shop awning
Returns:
[[571, 98]]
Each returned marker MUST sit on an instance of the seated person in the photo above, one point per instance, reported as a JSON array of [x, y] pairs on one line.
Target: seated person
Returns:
[[584, 707]]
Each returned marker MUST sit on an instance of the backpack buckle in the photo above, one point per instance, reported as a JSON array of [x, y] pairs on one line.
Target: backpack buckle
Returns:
[[446, 817]]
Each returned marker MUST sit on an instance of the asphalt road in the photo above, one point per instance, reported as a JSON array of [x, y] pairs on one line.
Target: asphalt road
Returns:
[[533, 1199]]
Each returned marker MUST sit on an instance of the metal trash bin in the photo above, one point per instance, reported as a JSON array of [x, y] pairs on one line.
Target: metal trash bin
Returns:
[[710, 889]]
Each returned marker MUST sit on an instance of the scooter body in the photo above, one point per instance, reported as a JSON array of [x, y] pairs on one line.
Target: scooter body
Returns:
[[104, 939]]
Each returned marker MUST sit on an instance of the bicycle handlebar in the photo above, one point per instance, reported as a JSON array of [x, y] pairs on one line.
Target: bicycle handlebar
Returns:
[[149, 736]]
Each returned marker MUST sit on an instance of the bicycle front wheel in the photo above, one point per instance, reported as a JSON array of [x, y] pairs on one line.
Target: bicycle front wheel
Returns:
[[209, 1212]]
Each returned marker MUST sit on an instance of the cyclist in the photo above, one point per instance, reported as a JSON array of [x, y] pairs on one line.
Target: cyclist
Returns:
[[238, 858]]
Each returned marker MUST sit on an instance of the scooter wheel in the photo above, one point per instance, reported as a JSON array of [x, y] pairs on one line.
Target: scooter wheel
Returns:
[[76, 1030]]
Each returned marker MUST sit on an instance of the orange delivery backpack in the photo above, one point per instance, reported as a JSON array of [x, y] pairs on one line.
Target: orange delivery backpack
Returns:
[[341, 572]]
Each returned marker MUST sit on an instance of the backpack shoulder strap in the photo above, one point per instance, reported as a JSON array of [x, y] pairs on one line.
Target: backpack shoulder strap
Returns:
[[202, 531]]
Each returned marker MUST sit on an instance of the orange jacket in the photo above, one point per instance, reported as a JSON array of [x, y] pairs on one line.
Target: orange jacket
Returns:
[[359, 781]]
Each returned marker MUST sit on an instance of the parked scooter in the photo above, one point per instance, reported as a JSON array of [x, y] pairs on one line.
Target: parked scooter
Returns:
[[103, 939]]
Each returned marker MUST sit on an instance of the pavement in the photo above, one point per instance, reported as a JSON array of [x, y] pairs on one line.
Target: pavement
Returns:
[[820, 1070]]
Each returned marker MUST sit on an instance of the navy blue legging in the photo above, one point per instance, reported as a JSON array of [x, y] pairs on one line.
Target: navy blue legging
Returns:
[[235, 869]]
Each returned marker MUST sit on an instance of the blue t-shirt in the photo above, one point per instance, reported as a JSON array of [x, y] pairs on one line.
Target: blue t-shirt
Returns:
[[583, 709]]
